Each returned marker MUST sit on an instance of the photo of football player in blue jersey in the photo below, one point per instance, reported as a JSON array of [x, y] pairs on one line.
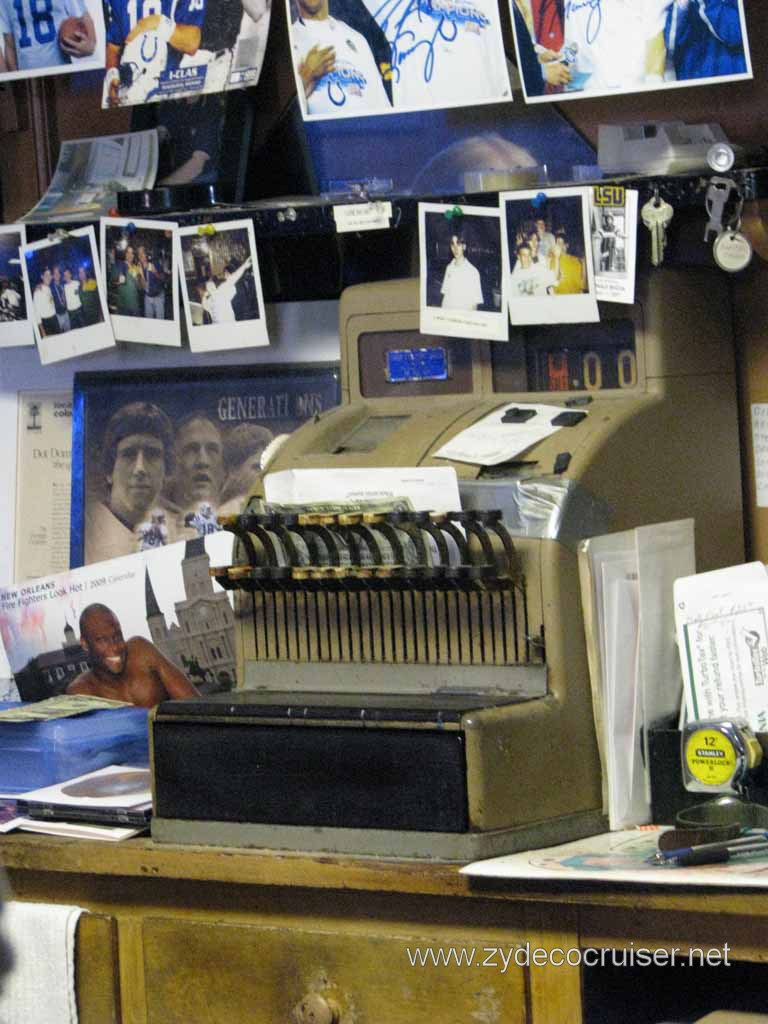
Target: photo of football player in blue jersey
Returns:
[[146, 40], [169, 49], [43, 37]]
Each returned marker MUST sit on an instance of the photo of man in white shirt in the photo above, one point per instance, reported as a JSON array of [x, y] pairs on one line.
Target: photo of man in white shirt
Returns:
[[74, 304], [217, 301], [45, 310], [529, 278], [461, 288], [336, 72]]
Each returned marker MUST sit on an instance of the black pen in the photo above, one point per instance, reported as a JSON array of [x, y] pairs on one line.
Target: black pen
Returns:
[[713, 853]]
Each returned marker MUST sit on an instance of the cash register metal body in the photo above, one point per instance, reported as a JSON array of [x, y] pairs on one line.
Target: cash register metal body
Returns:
[[405, 726]]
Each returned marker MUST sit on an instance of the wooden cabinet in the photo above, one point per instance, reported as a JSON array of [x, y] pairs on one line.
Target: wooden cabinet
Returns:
[[207, 936], [96, 969], [260, 974]]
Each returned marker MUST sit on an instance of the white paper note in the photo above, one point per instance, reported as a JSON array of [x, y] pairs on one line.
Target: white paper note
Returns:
[[491, 441], [362, 216], [722, 628]]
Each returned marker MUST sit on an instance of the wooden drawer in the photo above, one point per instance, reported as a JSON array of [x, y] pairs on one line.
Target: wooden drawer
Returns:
[[203, 972]]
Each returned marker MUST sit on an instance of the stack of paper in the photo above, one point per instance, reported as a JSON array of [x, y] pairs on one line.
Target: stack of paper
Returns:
[[627, 594], [722, 628], [112, 803]]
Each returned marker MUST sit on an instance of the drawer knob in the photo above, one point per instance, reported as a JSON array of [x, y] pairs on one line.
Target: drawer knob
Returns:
[[316, 1009]]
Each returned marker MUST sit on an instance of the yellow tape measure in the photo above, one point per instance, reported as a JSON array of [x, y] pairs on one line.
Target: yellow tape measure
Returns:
[[717, 756]]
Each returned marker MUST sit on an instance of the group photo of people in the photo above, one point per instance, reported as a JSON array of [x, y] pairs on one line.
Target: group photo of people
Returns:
[[156, 475], [463, 262], [138, 269], [605, 46], [64, 286], [161, 453], [546, 248], [218, 274], [13, 304]]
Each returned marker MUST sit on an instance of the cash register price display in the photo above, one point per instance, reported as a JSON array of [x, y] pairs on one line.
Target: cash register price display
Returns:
[[415, 682]]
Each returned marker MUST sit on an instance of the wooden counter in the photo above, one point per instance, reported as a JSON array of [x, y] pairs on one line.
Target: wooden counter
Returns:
[[206, 934]]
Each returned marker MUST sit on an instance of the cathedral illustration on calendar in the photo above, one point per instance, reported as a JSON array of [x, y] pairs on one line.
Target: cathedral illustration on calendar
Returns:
[[201, 641]]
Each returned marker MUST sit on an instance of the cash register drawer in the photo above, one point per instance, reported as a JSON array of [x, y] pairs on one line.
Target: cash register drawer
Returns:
[[345, 777]]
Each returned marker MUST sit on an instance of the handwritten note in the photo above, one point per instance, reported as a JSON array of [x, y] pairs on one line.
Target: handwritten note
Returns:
[[362, 216]]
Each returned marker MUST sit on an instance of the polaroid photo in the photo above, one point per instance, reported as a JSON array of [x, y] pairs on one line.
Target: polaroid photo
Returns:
[[352, 59], [52, 37], [463, 288], [609, 47], [70, 314], [15, 300], [613, 226], [547, 252], [140, 280], [221, 286]]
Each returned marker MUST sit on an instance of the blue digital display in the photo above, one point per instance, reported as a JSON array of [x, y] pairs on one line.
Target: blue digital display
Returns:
[[410, 364]]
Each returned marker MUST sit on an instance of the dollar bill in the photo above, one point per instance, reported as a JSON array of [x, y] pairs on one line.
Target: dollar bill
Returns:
[[63, 706], [338, 507], [397, 504]]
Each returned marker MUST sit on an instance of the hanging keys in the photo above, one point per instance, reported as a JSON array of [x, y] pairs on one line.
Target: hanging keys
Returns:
[[717, 196], [656, 215], [732, 250]]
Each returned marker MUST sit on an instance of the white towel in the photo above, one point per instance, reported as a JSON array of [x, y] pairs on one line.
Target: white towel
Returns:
[[41, 986]]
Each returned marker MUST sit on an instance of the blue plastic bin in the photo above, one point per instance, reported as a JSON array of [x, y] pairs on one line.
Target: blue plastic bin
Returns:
[[35, 754]]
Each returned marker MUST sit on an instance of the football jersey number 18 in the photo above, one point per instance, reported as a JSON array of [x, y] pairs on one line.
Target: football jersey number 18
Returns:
[[138, 9], [42, 22]]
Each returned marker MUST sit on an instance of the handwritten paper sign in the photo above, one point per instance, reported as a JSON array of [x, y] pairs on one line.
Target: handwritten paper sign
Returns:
[[362, 216]]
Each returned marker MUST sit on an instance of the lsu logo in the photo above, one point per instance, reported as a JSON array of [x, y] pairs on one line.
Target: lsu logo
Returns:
[[608, 195]]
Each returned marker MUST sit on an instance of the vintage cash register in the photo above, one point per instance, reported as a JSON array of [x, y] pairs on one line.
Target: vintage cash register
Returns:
[[416, 684]]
